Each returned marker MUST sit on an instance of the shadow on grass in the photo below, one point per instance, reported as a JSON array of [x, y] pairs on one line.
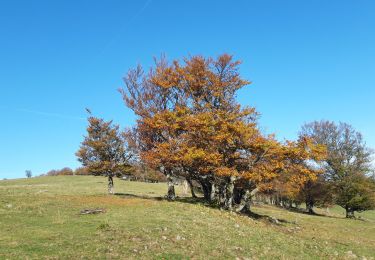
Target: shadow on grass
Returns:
[[202, 201], [188, 200], [267, 218], [304, 212], [129, 195], [253, 215]]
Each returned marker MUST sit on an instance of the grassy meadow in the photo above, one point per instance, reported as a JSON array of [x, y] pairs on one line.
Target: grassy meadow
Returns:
[[39, 219]]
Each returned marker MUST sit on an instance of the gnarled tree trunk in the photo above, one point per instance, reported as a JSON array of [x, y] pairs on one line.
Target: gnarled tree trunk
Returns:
[[110, 184], [229, 193], [191, 187], [206, 188], [349, 213], [221, 195], [310, 206], [171, 192], [245, 203], [213, 193]]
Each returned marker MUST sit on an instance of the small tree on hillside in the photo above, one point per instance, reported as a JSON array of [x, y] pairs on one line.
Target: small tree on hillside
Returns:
[[28, 173], [348, 164], [103, 150]]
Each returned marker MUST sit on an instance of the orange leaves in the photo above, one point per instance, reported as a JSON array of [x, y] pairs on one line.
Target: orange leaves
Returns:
[[226, 171], [189, 119], [165, 77], [299, 165], [103, 150]]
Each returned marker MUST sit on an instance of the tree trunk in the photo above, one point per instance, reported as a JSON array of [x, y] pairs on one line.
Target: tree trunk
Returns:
[[310, 206], [349, 213], [185, 187], [206, 188], [221, 195], [213, 193], [244, 206], [191, 187], [110, 185], [245, 203], [277, 200], [171, 193], [229, 194]]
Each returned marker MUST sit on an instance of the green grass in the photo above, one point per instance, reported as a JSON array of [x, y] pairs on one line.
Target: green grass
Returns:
[[39, 218]]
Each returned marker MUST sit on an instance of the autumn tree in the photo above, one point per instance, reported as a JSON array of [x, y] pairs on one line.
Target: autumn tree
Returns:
[[347, 167], [103, 151], [191, 126], [294, 186]]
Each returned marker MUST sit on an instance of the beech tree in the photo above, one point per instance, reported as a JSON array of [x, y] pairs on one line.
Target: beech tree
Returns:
[[316, 193], [291, 188], [190, 125], [103, 151], [347, 166]]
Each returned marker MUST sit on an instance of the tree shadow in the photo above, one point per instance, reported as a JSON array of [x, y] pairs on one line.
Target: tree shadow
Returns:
[[300, 211], [197, 200], [129, 195], [189, 200], [203, 202], [304, 212], [267, 218]]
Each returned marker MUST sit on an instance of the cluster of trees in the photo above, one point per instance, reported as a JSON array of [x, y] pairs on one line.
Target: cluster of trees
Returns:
[[190, 126], [138, 172], [67, 171], [347, 177], [64, 171]]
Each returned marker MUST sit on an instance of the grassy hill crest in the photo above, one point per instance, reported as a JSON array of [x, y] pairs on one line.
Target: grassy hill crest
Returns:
[[39, 218]]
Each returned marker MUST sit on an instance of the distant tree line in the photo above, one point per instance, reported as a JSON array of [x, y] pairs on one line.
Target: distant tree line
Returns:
[[190, 126], [138, 173], [67, 171]]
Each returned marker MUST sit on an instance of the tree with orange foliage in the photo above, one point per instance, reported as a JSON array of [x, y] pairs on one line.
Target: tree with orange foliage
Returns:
[[301, 179], [103, 151], [190, 125]]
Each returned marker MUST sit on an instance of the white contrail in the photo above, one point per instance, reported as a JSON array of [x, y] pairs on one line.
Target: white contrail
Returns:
[[42, 113], [132, 19]]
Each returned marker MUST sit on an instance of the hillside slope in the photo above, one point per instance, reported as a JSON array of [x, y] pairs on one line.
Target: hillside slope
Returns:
[[39, 218]]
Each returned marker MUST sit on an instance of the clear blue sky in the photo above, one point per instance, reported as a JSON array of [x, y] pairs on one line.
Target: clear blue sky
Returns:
[[308, 60]]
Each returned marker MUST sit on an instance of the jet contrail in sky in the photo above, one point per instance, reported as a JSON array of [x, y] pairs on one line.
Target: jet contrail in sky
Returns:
[[124, 26], [57, 115]]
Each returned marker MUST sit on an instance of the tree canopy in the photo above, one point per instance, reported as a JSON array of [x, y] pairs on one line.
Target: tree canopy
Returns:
[[103, 151], [347, 168], [190, 125]]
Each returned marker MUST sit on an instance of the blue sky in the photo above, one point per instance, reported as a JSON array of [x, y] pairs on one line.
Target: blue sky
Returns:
[[308, 60]]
